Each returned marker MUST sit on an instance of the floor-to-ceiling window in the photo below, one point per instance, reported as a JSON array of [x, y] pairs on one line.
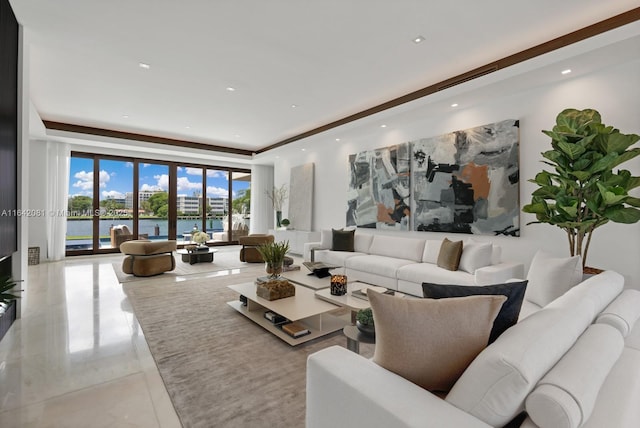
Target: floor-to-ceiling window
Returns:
[[152, 198], [113, 200], [80, 207], [115, 183]]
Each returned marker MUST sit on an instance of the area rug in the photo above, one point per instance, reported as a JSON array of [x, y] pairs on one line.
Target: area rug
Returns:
[[220, 368], [224, 259]]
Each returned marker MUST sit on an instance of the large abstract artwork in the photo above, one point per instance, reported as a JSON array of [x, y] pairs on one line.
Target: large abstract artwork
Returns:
[[379, 188], [467, 181]]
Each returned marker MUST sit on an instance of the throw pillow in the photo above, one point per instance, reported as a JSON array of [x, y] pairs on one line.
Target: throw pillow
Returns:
[[342, 240], [475, 255], [431, 342], [449, 256], [550, 277], [508, 315]]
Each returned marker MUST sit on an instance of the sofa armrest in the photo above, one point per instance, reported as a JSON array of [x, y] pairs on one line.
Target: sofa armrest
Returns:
[[346, 389], [499, 273], [309, 248]]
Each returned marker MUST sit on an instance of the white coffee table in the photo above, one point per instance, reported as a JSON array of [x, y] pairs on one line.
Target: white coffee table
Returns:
[[304, 307], [302, 277], [354, 304]]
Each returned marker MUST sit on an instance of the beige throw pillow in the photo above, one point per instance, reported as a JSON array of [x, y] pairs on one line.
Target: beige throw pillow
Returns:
[[430, 342], [450, 253]]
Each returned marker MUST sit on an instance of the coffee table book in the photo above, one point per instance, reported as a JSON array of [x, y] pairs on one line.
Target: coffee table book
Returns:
[[295, 329]]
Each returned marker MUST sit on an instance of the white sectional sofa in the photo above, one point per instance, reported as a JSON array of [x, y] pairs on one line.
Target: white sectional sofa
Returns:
[[573, 363], [404, 263]]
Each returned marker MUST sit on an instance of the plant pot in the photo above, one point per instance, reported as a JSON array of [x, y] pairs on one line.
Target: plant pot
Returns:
[[274, 269], [367, 329]]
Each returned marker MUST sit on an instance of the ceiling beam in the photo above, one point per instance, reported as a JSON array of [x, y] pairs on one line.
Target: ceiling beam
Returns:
[[78, 129], [541, 49]]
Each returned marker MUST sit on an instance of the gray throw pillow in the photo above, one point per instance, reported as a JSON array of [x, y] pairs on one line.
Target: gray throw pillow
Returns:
[[343, 240], [508, 315]]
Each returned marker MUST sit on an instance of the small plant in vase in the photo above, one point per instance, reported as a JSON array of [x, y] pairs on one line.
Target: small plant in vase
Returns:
[[200, 238], [364, 321], [285, 223], [273, 254]]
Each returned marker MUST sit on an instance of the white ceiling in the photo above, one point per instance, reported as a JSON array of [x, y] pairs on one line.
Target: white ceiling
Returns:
[[330, 58]]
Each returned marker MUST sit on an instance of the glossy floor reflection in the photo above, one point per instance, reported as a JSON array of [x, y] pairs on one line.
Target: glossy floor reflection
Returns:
[[78, 357]]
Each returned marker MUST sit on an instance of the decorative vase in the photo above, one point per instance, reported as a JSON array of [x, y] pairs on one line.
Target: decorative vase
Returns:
[[279, 218], [338, 285], [274, 269], [367, 329]]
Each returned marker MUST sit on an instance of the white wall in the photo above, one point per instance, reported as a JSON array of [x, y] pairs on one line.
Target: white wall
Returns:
[[614, 92]]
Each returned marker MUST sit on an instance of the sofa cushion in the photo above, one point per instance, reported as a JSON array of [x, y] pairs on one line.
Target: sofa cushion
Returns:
[[427, 272], [362, 242], [431, 251], [431, 342], [623, 312], [550, 277], [377, 265], [475, 255], [400, 248], [449, 255], [617, 404], [508, 315], [497, 382], [342, 240], [566, 396], [334, 258]]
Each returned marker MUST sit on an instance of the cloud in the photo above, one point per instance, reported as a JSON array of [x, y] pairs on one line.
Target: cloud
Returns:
[[213, 173], [162, 181], [150, 188], [129, 164], [185, 185], [112, 194], [217, 192], [85, 179], [193, 171]]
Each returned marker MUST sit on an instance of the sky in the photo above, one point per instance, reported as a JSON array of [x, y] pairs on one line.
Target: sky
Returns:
[[116, 178]]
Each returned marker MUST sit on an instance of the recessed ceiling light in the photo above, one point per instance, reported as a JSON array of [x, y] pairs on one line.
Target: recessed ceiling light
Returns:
[[567, 71], [231, 88], [418, 39], [304, 150], [383, 126], [454, 105], [294, 105], [125, 116], [187, 127], [337, 139], [237, 135], [144, 65]]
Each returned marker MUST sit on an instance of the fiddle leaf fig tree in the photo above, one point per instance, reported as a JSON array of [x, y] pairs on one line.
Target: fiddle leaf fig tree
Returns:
[[583, 192]]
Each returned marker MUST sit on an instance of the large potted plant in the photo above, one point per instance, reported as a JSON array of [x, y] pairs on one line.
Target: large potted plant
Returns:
[[583, 192], [7, 303]]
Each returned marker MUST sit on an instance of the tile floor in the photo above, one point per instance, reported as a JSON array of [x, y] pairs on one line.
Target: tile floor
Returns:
[[77, 357]]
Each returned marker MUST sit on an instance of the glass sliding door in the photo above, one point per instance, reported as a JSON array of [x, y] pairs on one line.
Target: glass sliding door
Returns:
[[218, 201], [80, 205], [116, 220], [241, 201], [190, 204], [152, 203]]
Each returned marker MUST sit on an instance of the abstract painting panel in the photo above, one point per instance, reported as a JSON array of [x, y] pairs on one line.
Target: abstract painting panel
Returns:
[[301, 199], [467, 181], [379, 188]]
